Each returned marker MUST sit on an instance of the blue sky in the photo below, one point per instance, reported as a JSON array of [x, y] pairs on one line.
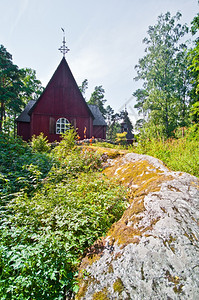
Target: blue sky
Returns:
[[104, 38]]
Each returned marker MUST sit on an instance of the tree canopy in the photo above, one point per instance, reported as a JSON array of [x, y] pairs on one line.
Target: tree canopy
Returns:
[[17, 87], [83, 86], [164, 98], [97, 98], [194, 61], [10, 85]]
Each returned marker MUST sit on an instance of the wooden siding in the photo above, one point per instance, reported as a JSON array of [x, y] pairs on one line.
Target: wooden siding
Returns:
[[61, 99], [43, 123], [23, 130]]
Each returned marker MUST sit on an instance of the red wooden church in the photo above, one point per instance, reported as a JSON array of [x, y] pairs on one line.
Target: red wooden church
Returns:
[[60, 106]]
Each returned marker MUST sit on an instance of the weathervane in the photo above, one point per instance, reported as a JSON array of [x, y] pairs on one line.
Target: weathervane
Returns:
[[63, 49]]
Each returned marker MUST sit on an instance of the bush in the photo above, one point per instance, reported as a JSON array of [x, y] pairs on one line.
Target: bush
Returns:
[[40, 143], [66, 145], [44, 234], [121, 138], [20, 168]]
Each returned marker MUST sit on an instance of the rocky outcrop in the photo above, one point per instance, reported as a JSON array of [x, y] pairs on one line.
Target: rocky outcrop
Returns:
[[152, 251]]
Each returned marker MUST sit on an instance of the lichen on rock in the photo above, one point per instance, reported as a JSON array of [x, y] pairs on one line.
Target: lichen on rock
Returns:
[[152, 251]]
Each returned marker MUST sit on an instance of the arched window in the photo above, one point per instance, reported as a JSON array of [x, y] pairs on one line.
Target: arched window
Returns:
[[62, 125]]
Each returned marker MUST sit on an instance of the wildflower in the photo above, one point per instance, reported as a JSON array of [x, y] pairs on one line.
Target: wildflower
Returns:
[[85, 132]]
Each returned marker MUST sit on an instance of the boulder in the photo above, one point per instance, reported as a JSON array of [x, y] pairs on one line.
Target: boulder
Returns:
[[152, 251]]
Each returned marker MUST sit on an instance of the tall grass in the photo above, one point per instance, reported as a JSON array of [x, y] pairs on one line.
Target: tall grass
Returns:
[[178, 154]]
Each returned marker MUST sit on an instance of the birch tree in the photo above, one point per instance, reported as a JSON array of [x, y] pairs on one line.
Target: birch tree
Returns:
[[163, 98]]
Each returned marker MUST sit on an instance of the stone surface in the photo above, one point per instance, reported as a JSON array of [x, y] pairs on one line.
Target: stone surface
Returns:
[[152, 251]]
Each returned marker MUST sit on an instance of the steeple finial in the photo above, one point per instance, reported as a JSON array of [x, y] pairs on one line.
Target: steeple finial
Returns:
[[63, 49]]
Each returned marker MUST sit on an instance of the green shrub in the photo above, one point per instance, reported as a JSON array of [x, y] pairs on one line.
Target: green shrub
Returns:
[[20, 168], [121, 138], [40, 143], [66, 145], [44, 234]]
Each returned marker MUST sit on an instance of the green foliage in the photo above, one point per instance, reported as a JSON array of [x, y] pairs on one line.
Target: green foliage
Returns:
[[113, 128], [112, 118], [66, 145], [194, 61], [32, 87], [44, 234], [83, 86], [43, 239], [10, 85], [97, 98], [193, 132], [121, 138], [178, 154], [194, 112], [17, 87], [164, 98], [40, 143], [20, 168]]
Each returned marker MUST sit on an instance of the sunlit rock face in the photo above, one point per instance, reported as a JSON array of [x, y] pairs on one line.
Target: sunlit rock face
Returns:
[[152, 252]]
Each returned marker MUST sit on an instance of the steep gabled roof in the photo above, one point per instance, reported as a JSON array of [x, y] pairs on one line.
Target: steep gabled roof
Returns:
[[59, 77], [24, 116], [98, 118]]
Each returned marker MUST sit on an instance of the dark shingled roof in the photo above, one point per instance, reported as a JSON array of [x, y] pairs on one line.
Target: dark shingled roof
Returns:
[[98, 118], [24, 116]]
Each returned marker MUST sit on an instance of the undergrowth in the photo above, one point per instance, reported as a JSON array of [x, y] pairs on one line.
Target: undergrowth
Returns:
[[20, 167], [45, 230], [180, 154]]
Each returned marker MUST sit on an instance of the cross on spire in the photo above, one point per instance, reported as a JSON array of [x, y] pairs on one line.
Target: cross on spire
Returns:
[[63, 49]]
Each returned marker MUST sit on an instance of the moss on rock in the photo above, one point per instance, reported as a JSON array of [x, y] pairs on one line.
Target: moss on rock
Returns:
[[118, 286], [154, 244], [101, 295], [142, 178]]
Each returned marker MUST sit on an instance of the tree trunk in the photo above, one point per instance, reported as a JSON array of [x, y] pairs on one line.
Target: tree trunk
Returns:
[[15, 127], [2, 110], [166, 119]]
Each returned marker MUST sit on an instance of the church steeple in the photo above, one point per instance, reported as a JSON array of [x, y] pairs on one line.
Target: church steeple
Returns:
[[63, 49]]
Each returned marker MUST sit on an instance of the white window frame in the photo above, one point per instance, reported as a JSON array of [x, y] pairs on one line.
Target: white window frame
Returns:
[[62, 125]]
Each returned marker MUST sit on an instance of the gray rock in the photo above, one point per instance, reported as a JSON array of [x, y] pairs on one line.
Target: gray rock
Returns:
[[152, 251]]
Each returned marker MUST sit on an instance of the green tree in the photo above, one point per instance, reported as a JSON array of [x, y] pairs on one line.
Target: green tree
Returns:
[[181, 91], [114, 126], [10, 85], [194, 61], [83, 86], [32, 87], [17, 87], [164, 97], [97, 98], [194, 112], [109, 114]]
